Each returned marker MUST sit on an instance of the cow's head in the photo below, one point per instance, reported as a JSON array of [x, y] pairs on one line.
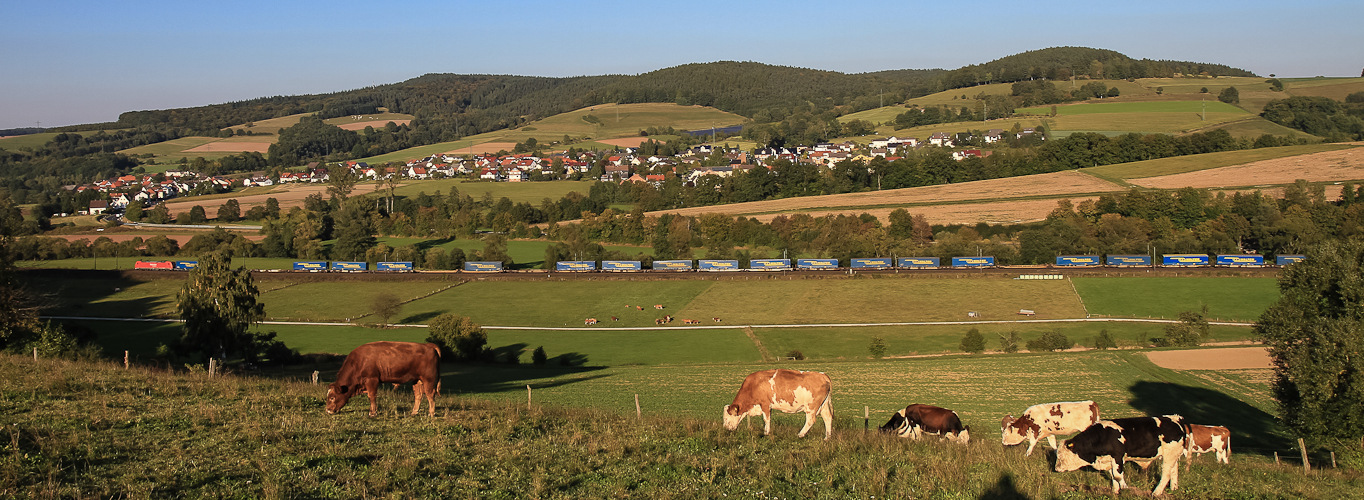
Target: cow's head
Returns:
[[733, 414], [338, 394], [897, 424], [1015, 430], [1066, 458]]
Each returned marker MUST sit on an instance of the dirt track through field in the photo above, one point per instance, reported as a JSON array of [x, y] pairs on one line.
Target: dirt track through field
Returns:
[[1234, 358], [230, 147]]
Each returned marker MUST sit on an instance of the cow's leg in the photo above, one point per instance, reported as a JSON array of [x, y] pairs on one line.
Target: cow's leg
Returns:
[[1032, 443], [431, 391], [1117, 480], [826, 412], [372, 388], [1169, 467], [809, 422], [767, 421], [417, 391], [1051, 440]]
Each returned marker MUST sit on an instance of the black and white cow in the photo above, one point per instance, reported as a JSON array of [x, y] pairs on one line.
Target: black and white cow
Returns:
[[1108, 444], [1048, 420], [918, 419]]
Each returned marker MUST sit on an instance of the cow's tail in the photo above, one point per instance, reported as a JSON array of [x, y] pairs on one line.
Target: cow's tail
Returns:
[[828, 405]]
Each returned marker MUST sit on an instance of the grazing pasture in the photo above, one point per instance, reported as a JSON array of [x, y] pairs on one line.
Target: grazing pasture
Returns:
[[189, 434], [1234, 299]]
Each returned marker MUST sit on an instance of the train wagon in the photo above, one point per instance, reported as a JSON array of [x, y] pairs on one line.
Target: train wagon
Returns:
[[985, 261], [871, 263], [394, 266], [1078, 261], [1184, 260], [810, 264], [312, 266], [769, 265], [1240, 260], [1283, 260], [717, 265], [350, 266], [576, 265], [918, 263], [621, 265], [1129, 260], [672, 265], [483, 266]]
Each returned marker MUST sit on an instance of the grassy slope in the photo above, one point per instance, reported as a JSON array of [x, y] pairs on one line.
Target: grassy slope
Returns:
[[1237, 299], [518, 192], [81, 430], [614, 121]]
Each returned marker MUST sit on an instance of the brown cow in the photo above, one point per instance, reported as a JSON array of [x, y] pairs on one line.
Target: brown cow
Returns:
[[395, 362], [658, 306], [691, 321], [590, 321], [790, 391], [1206, 438], [1048, 421], [919, 419]]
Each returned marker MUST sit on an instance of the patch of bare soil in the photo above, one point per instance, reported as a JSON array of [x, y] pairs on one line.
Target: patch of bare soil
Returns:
[[230, 147], [1342, 165], [626, 142], [1235, 358], [287, 196], [375, 123]]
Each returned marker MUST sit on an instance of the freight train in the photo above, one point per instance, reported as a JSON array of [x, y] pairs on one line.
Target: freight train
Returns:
[[767, 265]]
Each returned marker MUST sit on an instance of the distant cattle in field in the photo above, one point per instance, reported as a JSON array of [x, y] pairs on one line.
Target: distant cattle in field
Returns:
[[639, 308], [717, 320], [919, 419], [1048, 421], [789, 391], [658, 306], [1205, 438], [387, 362], [590, 321], [1108, 444], [691, 321], [613, 318]]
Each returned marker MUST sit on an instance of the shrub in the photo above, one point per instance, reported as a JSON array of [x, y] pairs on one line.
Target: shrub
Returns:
[[877, 348], [1104, 340], [1051, 341], [538, 358], [973, 342], [795, 354], [457, 336], [1009, 343]]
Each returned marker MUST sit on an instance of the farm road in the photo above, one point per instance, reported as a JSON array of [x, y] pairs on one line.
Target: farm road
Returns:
[[715, 327]]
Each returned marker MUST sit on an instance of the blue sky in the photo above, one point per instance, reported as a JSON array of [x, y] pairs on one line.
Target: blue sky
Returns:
[[68, 62]]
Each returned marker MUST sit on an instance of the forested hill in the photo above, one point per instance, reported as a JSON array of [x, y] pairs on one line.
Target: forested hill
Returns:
[[448, 106]]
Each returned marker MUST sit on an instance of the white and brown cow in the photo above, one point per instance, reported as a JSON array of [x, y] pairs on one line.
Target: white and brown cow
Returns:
[[1048, 421], [1108, 444], [790, 391], [918, 419], [1206, 438]]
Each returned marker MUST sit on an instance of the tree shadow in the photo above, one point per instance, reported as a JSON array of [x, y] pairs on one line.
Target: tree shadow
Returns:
[[419, 318], [1004, 489], [480, 378], [1252, 430], [429, 244]]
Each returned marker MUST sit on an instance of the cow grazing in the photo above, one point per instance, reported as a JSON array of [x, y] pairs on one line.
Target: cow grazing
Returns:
[[658, 306], [917, 419], [590, 321], [1206, 438], [717, 320], [790, 391], [1048, 421], [691, 321], [388, 362], [1108, 444], [613, 318]]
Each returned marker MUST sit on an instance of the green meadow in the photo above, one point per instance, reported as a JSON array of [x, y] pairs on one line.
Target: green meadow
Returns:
[[518, 192], [1231, 299]]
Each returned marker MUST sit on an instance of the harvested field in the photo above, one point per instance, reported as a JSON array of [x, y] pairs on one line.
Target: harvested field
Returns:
[[625, 142], [487, 147], [287, 196], [375, 123], [1235, 358], [230, 147], [1342, 165], [880, 203]]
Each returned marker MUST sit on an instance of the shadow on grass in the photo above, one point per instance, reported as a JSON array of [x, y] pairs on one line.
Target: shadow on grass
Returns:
[[1004, 489], [1252, 430], [420, 318]]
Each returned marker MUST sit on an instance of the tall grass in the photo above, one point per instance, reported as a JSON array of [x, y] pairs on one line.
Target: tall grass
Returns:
[[85, 430]]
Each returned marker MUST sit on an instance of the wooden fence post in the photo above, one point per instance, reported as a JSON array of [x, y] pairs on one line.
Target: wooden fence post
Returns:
[[212, 366], [1333, 459], [315, 377], [866, 418], [1276, 458], [527, 396], [1306, 467], [35, 354], [125, 360], [638, 414]]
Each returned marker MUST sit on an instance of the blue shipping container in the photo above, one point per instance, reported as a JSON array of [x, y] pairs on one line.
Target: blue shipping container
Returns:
[[672, 265], [1129, 260], [973, 261], [1078, 260], [870, 263], [316, 265], [1284, 260], [350, 266], [620, 265], [394, 266], [186, 265], [918, 262], [817, 263], [717, 265], [483, 267], [769, 264], [575, 265], [1184, 260], [1240, 260]]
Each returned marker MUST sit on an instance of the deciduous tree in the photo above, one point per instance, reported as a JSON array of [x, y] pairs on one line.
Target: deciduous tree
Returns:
[[218, 304]]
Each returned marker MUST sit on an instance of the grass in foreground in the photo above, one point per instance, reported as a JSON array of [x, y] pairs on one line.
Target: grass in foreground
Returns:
[[94, 430]]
